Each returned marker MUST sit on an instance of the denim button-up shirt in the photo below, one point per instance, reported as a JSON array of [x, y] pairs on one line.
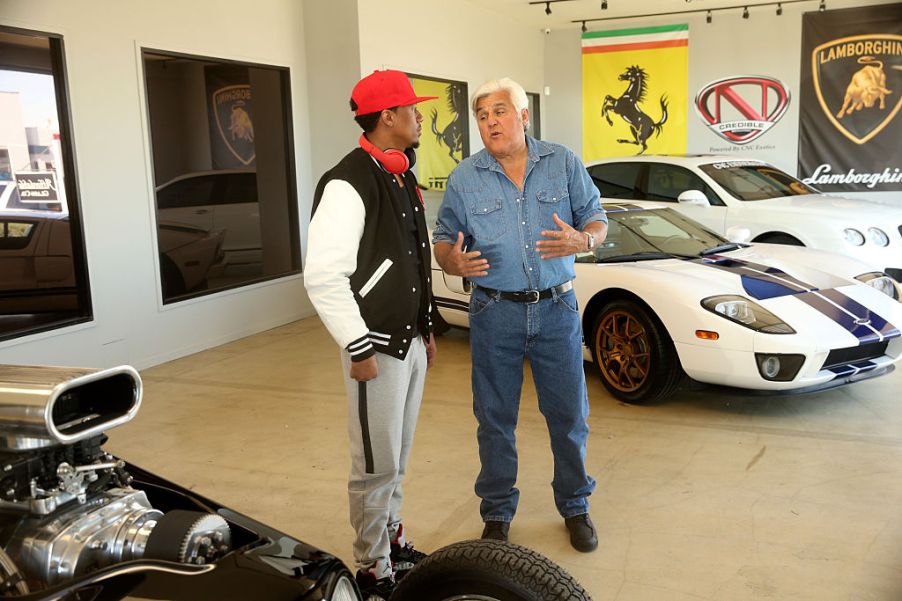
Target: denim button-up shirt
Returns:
[[504, 223]]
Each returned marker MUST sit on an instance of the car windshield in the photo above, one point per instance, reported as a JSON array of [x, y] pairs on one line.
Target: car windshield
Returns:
[[748, 180], [651, 234]]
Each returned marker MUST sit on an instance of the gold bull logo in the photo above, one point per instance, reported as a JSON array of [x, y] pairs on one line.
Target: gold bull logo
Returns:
[[233, 112], [858, 83], [240, 126], [868, 85]]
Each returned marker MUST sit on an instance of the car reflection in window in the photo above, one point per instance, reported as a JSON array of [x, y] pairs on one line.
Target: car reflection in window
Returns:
[[225, 200]]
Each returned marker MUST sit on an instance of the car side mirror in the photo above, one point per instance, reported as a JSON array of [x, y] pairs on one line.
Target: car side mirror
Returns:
[[738, 234], [693, 197]]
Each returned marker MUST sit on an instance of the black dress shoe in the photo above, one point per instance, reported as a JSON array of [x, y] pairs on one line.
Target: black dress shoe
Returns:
[[496, 530], [582, 532]]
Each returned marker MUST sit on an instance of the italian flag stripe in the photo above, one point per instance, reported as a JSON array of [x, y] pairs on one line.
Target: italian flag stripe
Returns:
[[642, 38], [637, 46]]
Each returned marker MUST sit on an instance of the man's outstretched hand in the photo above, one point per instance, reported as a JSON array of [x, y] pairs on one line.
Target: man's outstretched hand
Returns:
[[563, 242], [455, 261]]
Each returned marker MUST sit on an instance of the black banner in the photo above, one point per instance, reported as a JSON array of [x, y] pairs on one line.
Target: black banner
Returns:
[[230, 111], [851, 95]]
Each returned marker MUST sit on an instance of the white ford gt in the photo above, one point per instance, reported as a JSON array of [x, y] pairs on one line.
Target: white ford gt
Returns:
[[664, 296], [723, 192]]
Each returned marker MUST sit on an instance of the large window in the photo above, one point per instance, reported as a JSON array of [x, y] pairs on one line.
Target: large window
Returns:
[[43, 273], [223, 173]]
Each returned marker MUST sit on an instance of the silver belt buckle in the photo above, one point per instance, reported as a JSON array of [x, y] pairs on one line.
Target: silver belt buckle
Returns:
[[535, 297]]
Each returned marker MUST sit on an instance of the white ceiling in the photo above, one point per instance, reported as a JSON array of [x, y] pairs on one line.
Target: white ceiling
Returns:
[[563, 13]]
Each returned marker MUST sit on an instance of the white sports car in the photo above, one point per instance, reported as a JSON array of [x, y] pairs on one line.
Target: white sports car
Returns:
[[663, 296], [723, 193]]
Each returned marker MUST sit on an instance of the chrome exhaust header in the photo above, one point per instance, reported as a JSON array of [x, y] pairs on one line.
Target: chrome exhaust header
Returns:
[[44, 406]]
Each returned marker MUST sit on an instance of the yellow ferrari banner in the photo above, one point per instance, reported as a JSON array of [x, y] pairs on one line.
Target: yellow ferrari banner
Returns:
[[446, 139], [635, 91]]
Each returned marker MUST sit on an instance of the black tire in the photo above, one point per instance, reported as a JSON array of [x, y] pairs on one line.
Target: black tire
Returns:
[[640, 365], [488, 570], [779, 238]]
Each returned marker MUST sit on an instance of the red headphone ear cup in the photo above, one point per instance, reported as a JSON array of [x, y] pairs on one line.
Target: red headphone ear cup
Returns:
[[394, 161]]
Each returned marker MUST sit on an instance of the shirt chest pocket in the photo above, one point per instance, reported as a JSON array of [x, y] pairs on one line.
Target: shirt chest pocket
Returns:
[[486, 216], [553, 195], [554, 199]]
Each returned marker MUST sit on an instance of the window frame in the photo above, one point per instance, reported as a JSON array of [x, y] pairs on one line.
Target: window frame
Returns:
[[290, 166], [70, 183]]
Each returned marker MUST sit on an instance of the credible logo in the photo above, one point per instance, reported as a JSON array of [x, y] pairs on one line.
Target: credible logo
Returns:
[[741, 109], [858, 83]]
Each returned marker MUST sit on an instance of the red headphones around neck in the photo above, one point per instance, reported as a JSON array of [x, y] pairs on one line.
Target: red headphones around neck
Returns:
[[394, 161]]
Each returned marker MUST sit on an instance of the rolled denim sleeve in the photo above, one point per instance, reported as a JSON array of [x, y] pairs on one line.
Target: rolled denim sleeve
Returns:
[[584, 196], [451, 216]]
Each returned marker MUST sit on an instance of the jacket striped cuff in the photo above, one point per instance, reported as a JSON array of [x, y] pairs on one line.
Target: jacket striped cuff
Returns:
[[361, 349]]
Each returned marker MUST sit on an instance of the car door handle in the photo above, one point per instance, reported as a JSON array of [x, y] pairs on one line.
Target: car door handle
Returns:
[[201, 211]]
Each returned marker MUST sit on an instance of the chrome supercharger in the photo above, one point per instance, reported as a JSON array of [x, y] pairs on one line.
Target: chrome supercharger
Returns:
[[66, 506]]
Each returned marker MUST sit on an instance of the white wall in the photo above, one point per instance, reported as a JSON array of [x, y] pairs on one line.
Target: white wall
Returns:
[[330, 36], [451, 40], [764, 44], [102, 41]]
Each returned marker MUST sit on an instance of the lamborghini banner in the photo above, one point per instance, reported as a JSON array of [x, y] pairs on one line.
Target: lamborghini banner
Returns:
[[851, 96], [635, 91], [446, 137], [230, 113]]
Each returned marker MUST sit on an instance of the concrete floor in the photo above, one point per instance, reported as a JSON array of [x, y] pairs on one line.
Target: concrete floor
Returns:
[[711, 495]]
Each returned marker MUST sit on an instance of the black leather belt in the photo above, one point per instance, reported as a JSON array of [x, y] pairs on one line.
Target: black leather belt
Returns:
[[528, 296]]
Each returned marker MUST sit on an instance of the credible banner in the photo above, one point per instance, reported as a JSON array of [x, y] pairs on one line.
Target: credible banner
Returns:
[[635, 91], [851, 95], [446, 138]]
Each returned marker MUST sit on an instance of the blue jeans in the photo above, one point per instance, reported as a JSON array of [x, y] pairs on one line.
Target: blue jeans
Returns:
[[502, 334]]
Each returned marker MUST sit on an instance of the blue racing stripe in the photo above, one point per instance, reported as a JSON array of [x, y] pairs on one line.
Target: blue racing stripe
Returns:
[[886, 329], [864, 334], [759, 281], [761, 288], [842, 371], [762, 282]]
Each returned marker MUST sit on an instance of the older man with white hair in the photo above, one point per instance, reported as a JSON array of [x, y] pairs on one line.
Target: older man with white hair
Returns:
[[512, 219]]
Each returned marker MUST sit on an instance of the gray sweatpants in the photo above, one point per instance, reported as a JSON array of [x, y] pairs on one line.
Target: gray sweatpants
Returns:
[[382, 417]]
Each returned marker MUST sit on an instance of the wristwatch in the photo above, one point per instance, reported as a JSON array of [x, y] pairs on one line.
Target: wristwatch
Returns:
[[590, 240]]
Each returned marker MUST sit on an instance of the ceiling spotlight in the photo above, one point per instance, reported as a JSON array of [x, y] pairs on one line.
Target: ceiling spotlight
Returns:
[[604, 4], [584, 28], [823, 6], [745, 12], [548, 8], [779, 9], [708, 18]]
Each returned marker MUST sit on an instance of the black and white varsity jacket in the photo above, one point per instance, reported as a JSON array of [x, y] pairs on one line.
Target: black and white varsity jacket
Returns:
[[361, 275]]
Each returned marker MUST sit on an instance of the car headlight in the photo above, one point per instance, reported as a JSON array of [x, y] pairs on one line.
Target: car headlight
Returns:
[[344, 591], [853, 236], [881, 282], [747, 313], [878, 236]]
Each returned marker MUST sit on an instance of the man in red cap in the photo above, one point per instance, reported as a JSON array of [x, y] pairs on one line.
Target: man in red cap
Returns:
[[368, 276]]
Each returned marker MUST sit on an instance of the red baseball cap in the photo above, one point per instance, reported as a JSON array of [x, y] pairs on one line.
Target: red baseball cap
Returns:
[[382, 90]]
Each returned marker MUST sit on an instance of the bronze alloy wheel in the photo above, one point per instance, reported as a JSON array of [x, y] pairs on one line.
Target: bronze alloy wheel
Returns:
[[634, 353], [622, 351]]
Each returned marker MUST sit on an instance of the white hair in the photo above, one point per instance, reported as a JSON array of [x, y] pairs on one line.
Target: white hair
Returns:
[[505, 84]]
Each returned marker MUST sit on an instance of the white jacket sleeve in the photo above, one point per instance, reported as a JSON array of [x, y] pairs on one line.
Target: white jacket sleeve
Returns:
[[332, 245]]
